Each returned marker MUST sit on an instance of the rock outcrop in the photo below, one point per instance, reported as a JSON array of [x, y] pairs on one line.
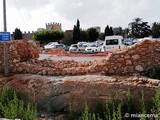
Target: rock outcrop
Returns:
[[56, 93]]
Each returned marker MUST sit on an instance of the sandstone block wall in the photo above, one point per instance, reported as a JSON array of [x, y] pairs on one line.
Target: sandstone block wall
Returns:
[[19, 51], [132, 59]]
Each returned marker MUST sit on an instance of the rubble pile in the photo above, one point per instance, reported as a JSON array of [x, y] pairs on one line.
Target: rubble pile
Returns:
[[20, 51]]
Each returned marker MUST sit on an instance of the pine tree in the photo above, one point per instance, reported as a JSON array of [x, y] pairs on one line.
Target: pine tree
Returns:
[[106, 32], [17, 34], [111, 31], [76, 32]]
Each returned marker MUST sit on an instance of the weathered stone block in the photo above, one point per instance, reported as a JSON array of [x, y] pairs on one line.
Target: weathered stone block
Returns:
[[128, 62], [136, 57], [128, 69], [139, 68]]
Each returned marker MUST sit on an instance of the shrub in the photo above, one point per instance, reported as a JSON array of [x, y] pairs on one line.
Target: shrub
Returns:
[[71, 115], [153, 72], [46, 36], [86, 114], [143, 109], [12, 107], [156, 101]]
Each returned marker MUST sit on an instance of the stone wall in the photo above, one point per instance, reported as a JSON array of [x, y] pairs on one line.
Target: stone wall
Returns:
[[132, 59], [25, 35], [19, 51]]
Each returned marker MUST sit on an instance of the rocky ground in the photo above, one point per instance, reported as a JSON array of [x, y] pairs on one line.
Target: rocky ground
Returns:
[[55, 93], [54, 85]]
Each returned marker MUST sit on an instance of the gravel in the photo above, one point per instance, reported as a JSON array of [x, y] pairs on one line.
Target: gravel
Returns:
[[76, 58]]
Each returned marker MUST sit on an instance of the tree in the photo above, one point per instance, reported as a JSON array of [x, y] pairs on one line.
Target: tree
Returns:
[[102, 36], [17, 34], [108, 31], [76, 32], [125, 32], [118, 31], [111, 31], [68, 38], [84, 35], [93, 34], [156, 30], [46, 36], [139, 29]]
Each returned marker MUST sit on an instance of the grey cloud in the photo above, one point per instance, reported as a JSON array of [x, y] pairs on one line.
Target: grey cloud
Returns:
[[103, 12], [94, 12], [32, 4]]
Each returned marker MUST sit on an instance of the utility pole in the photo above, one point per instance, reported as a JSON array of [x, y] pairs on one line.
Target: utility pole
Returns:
[[6, 66]]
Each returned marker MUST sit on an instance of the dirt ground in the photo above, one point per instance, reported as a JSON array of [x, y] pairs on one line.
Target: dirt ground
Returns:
[[76, 57]]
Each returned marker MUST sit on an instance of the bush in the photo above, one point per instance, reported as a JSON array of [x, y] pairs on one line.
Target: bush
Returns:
[[156, 101], [153, 72], [46, 36], [122, 110], [12, 107]]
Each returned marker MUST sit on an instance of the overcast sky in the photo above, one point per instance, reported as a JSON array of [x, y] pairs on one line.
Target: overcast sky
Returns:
[[28, 15]]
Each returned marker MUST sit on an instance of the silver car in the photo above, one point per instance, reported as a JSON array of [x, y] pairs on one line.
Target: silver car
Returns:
[[73, 48]]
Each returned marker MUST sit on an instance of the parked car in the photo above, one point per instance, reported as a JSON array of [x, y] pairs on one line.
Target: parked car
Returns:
[[127, 42], [55, 46], [98, 42], [61, 46], [50, 45], [82, 46], [92, 48], [134, 41], [73, 48]]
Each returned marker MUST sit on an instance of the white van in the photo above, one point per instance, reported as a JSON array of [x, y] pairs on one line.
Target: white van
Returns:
[[112, 43]]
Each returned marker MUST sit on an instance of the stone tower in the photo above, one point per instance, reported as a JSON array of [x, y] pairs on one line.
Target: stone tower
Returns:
[[53, 26]]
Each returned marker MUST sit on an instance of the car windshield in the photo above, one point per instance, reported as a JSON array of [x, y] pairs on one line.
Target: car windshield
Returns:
[[81, 45], [92, 45], [73, 45], [50, 43], [53, 46], [59, 46]]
